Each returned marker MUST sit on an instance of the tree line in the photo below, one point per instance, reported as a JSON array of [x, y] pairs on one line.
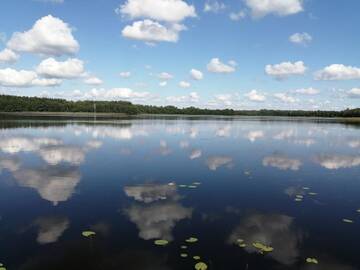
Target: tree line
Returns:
[[10, 103]]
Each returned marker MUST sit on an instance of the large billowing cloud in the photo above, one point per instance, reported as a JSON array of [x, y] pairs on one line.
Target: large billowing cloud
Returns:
[[48, 36], [160, 10], [335, 162], [272, 230], [285, 69], [338, 72], [354, 93], [282, 162], [152, 31], [50, 229], [260, 8], [216, 66], [68, 69], [25, 78]]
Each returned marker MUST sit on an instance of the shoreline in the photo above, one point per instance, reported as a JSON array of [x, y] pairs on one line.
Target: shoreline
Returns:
[[88, 115]]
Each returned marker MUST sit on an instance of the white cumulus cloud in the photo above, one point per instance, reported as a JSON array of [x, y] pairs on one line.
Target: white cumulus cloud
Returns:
[[152, 31], [125, 74], [184, 84], [161, 10], [354, 93], [285, 69], [92, 80], [196, 74], [285, 98], [261, 8], [338, 72], [216, 66], [254, 95], [24, 78], [8, 56], [301, 38], [68, 69], [48, 36], [214, 6]]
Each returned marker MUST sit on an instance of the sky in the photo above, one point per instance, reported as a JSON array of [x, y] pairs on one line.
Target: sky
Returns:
[[239, 54]]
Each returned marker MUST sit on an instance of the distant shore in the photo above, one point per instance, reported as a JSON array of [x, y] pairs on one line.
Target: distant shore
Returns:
[[88, 115]]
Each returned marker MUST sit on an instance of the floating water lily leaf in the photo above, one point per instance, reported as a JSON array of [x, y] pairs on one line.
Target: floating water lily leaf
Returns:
[[347, 220], [183, 247], [298, 200], [240, 240], [161, 242], [201, 266], [262, 247], [358, 210], [242, 245], [197, 183], [183, 255], [312, 260], [299, 196], [2, 268], [192, 186], [191, 240], [182, 186], [171, 184], [312, 193], [306, 188], [196, 257], [247, 172], [88, 233]]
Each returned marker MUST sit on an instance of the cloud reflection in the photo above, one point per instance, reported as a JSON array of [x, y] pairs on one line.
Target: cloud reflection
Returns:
[[335, 162], [274, 230], [214, 162], [51, 229], [282, 162]]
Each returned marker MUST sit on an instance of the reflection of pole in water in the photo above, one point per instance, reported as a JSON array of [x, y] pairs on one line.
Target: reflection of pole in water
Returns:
[[94, 110]]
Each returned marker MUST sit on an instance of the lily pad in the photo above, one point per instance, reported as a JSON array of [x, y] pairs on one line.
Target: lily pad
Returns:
[[182, 186], [2, 268], [240, 240], [347, 220], [183, 247], [161, 242], [201, 266], [298, 200], [299, 196], [88, 233], [242, 245], [306, 188], [312, 260], [358, 210], [312, 193], [191, 240], [183, 255], [192, 186], [196, 183], [262, 247], [196, 257]]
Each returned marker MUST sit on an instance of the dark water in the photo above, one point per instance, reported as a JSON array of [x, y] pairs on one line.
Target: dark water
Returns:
[[287, 185]]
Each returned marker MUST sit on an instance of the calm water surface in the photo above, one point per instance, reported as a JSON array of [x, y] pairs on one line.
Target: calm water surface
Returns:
[[292, 187]]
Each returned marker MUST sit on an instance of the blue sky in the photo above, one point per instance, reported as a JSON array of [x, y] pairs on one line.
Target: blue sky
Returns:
[[282, 54]]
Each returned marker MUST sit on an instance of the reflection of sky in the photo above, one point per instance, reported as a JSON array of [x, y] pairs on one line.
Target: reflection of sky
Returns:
[[90, 171]]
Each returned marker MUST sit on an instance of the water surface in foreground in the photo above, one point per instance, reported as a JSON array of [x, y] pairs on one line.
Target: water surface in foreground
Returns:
[[256, 194]]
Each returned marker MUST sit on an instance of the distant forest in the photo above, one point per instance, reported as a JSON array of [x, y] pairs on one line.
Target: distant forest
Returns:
[[35, 104]]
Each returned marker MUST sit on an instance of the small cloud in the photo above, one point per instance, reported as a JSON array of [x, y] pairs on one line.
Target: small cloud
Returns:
[[216, 66], [300, 38]]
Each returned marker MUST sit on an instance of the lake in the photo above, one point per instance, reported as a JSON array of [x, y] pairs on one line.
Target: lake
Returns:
[[232, 193]]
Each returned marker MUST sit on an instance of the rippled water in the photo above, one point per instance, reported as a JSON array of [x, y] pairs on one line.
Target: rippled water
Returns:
[[291, 186]]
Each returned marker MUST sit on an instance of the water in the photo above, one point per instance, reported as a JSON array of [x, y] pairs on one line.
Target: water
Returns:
[[287, 185]]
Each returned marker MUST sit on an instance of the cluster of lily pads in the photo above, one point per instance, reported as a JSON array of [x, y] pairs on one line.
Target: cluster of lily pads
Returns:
[[199, 265], [192, 186], [2, 267], [300, 197]]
